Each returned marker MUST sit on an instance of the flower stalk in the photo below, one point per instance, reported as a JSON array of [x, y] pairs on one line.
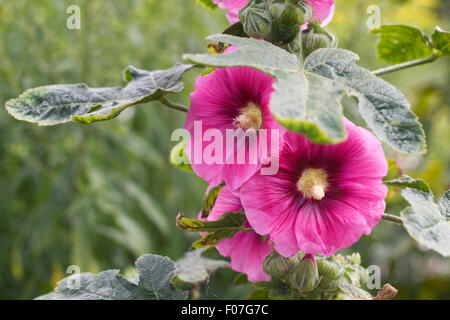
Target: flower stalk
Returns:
[[405, 65], [392, 218], [172, 105]]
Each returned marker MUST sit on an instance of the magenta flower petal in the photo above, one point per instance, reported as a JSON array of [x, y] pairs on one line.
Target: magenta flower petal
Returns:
[[218, 102], [330, 226], [247, 250], [323, 198], [233, 7]]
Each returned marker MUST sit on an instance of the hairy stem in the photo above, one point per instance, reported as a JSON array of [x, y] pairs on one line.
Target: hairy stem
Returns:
[[405, 65], [392, 218], [172, 105]]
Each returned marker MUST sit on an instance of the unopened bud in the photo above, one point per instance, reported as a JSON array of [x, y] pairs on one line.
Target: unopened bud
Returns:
[[276, 8], [256, 21], [278, 266], [354, 259], [287, 26], [329, 269], [363, 275], [316, 37], [304, 276]]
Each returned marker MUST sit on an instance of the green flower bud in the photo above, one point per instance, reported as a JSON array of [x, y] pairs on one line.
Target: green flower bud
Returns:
[[256, 21], [287, 26], [278, 266], [354, 259], [330, 270], [351, 274], [316, 37], [363, 275], [304, 276], [276, 8], [305, 8]]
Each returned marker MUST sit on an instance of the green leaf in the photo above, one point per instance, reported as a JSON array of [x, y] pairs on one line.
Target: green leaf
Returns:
[[226, 227], [307, 99], [194, 268], [384, 109], [154, 283], [425, 221], [444, 204], [241, 279], [400, 43], [407, 181], [207, 4], [441, 41], [155, 276], [259, 295], [210, 199], [56, 104]]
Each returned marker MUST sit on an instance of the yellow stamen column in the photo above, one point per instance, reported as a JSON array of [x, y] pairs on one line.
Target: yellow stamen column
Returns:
[[249, 118], [313, 183]]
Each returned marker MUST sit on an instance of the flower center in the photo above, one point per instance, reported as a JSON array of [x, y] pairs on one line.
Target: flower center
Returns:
[[313, 183], [249, 117]]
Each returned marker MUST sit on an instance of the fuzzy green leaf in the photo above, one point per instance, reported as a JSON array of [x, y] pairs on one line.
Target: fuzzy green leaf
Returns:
[[307, 99], [194, 267], [444, 204], [384, 109], [56, 104], [407, 181], [425, 221], [154, 283]]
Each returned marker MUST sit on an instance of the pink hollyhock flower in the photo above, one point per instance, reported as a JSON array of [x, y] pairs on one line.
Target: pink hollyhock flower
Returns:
[[232, 101], [323, 9], [247, 250], [323, 198]]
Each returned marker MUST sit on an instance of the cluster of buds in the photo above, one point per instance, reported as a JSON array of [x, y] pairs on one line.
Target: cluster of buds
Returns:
[[280, 22], [338, 270], [277, 21], [310, 275], [299, 272]]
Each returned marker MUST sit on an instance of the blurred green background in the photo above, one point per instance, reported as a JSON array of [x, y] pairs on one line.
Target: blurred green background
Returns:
[[99, 196]]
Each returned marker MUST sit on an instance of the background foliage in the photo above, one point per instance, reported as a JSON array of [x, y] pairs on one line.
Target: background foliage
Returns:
[[99, 196]]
